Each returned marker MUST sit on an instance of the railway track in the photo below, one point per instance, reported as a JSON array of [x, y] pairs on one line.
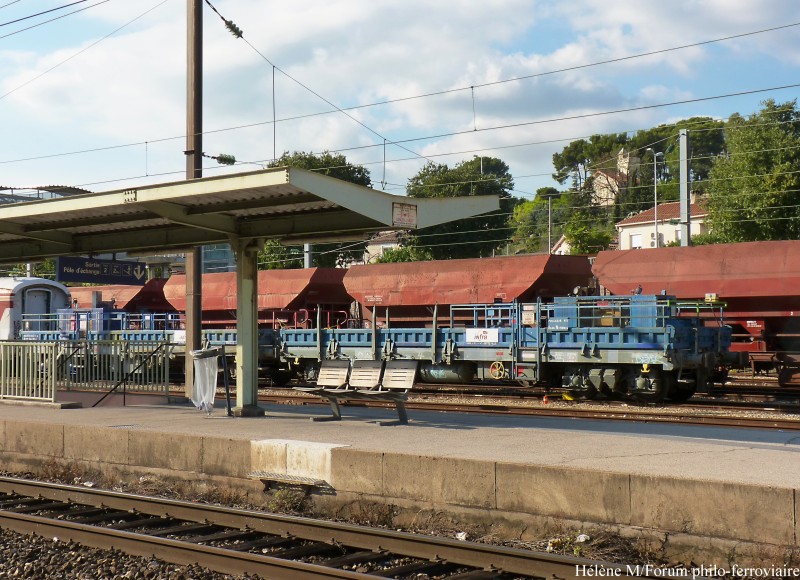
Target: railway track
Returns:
[[237, 541], [709, 413]]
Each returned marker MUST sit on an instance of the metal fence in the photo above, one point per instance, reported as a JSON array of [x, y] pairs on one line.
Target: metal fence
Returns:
[[28, 370], [35, 370]]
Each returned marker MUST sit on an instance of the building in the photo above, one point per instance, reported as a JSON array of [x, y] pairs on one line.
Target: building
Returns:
[[380, 243], [606, 184], [561, 247], [639, 231]]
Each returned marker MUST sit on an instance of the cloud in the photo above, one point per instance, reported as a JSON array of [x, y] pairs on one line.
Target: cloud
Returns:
[[130, 88]]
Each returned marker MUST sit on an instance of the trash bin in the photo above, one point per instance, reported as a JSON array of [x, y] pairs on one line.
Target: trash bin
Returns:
[[206, 367]]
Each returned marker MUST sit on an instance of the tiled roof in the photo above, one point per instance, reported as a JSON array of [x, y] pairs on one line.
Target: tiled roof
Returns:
[[666, 212]]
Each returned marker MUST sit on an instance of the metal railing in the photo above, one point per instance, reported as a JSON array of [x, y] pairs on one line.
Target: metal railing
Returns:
[[35, 370], [28, 371], [103, 364]]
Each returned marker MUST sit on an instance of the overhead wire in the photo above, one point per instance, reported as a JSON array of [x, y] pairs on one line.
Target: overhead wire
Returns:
[[566, 69], [344, 150], [238, 34], [495, 82], [41, 13], [81, 51], [52, 19], [506, 80]]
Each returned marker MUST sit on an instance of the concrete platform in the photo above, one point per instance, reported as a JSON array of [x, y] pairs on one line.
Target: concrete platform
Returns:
[[704, 491]]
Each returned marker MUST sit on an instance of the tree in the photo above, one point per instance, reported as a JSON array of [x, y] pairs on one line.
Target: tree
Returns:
[[583, 159], [326, 163], [471, 237], [275, 256], [43, 269], [594, 164], [707, 141], [755, 188], [531, 221], [403, 254], [589, 227]]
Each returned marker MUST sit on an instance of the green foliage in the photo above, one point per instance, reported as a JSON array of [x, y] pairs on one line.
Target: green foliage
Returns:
[[472, 237], [581, 158], [707, 141], [338, 255], [287, 501], [404, 254], [586, 234], [275, 256], [589, 228], [44, 269], [531, 222], [586, 161], [326, 163], [755, 189]]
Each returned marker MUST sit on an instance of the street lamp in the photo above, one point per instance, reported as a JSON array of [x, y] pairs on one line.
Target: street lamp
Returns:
[[655, 192]]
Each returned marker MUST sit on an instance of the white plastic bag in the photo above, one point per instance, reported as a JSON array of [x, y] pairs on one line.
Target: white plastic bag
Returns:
[[205, 379]]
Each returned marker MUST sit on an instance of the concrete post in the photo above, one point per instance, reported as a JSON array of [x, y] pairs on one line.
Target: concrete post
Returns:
[[247, 330]]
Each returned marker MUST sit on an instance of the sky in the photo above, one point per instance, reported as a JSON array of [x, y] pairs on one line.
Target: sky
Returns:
[[97, 98]]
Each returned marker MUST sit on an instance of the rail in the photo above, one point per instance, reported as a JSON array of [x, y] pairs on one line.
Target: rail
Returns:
[[177, 530]]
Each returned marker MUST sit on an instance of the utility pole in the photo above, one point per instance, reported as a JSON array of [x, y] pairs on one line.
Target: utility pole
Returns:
[[550, 197], [657, 241], [194, 170], [683, 172]]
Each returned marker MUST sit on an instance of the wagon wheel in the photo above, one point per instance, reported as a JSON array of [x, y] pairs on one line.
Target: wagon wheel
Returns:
[[654, 387], [497, 370]]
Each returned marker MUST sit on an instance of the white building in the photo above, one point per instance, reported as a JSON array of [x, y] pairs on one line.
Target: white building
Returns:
[[606, 184], [639, 231], [379, 243]]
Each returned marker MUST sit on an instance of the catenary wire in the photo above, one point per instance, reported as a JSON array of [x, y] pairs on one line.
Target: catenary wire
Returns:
[[52, 19], [42, 13], [310, 90], [81, 51]]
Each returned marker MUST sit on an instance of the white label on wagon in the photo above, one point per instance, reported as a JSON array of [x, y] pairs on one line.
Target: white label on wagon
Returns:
[[482, 335]]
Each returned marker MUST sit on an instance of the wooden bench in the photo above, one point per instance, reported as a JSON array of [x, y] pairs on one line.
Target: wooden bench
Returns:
[[367, 381]]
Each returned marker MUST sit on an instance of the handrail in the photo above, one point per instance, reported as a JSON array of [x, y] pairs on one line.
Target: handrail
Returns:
[[129, 374]]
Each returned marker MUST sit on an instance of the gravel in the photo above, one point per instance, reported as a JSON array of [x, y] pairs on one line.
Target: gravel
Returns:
[[30, 556]]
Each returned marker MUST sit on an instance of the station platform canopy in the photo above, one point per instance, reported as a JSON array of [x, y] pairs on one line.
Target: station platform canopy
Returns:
[[290, 204]]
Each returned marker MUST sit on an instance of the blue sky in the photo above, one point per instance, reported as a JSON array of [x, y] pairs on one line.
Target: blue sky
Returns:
[[123, 98]]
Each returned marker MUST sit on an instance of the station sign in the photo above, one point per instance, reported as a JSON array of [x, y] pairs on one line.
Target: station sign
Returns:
[[92, 270]]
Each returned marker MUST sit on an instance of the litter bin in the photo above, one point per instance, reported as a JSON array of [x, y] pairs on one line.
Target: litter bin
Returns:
[[206, 367]]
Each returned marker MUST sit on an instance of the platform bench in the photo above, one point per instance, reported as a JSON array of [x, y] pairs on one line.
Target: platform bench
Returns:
[[367, 381]]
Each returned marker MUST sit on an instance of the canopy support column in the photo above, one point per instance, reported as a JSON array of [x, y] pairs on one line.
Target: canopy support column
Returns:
[[247, 330]]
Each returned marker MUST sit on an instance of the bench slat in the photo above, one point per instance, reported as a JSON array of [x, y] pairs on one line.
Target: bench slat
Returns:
[[399, 375], [366, 374], [333, 373]]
